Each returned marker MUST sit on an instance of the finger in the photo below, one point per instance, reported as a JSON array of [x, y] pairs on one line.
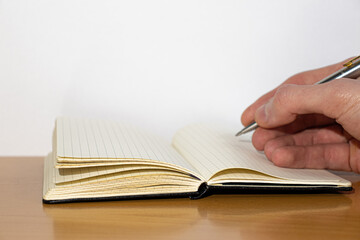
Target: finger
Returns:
[[248, 115], [354, 161], [338, 99], [323, 156], [331, 134], [308, 77], [261, 136]]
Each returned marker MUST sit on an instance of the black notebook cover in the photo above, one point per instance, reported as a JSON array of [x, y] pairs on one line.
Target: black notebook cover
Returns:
[[207, 190]]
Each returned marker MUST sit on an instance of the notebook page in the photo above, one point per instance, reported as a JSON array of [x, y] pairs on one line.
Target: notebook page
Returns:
[[211, 149], [154, 181], [73, 174], [84, 140]]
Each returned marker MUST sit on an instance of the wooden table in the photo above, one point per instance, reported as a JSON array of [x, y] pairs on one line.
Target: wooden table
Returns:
[[243, 216]]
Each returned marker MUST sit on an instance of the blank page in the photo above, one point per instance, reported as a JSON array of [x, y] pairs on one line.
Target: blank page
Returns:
[[211, 149], [85, 140], [73, 174]]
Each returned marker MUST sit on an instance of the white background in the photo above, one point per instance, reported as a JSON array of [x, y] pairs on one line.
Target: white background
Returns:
[[158, 64]]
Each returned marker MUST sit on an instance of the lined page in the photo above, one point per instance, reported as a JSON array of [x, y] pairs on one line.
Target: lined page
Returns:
[[211, 149], [86, 140]]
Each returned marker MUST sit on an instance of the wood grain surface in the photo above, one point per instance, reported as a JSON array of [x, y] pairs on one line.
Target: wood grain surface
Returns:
[[240, 216]]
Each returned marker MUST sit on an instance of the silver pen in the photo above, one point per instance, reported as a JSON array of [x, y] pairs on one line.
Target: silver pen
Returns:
[[351, 69]]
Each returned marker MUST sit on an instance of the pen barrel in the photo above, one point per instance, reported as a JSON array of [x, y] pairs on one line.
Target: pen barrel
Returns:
[[349, 72], [355, 72]]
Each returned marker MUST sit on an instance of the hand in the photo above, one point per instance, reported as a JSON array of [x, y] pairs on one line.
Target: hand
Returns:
[[310, 126]]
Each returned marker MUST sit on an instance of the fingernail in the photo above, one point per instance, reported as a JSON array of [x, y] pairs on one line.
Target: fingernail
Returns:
[[262, 114]]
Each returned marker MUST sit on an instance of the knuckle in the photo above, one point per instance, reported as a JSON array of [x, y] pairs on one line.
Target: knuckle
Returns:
[[283, 95]]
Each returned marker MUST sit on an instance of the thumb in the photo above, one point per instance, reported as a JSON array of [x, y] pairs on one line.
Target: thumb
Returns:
[[338, 99]]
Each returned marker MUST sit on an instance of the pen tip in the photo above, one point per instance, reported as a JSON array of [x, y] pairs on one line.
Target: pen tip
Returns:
[[239, 133], [247, 129]]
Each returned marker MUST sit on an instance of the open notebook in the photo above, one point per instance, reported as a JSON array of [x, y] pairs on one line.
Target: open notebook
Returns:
[[101, 160]]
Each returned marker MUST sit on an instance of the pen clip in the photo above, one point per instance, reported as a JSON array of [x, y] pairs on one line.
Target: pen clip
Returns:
[[349, 63]]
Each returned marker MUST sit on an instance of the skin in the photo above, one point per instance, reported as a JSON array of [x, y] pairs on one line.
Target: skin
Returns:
[[309, 126]]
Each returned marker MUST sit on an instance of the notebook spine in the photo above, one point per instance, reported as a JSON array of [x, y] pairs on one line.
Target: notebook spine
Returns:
[[202, 192]]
